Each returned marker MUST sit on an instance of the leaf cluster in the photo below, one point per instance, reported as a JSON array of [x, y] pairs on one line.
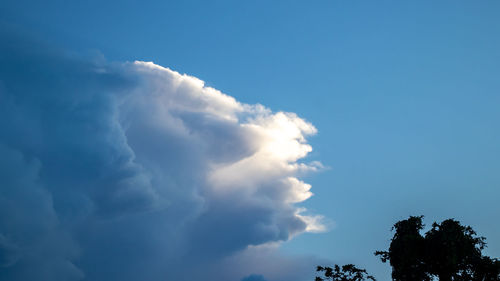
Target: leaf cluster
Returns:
[[348, 272]]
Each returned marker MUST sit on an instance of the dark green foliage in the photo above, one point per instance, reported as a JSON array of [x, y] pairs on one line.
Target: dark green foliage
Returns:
[[449, 251], [347, 272]]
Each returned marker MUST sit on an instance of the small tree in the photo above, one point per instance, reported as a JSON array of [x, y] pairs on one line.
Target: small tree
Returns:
[[347, 272]]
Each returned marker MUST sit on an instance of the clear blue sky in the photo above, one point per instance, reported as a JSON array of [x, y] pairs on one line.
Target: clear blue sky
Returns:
[[405, 95]]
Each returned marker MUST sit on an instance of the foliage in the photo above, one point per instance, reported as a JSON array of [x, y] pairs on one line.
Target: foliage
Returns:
[[449, 251], [406, 251], [348, 272]]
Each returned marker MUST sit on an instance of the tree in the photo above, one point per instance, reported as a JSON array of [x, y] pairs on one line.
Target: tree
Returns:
[[449, 251], [348, 272], [453, 250], [407, 251]]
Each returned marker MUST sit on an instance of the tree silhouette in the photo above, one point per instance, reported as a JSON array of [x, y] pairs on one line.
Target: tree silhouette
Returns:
[[348, 272], [407, 251], [450, 251], [454, 251]]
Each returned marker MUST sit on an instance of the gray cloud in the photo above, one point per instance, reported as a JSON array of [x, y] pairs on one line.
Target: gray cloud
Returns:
[[254, 277], [131, 171]]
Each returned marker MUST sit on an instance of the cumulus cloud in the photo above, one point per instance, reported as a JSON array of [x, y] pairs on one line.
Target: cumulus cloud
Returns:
[[132, 171]]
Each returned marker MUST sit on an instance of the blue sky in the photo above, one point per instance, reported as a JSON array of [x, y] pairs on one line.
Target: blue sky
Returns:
[[404, 96]]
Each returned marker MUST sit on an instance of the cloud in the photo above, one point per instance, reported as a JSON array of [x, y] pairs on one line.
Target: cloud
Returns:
[[132, 171], [254, 277]]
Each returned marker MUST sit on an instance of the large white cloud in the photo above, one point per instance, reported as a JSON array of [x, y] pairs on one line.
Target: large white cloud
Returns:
[[132, 171]]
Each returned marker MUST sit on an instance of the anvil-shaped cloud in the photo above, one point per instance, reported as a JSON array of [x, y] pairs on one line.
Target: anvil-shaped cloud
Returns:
[[132, 171]]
